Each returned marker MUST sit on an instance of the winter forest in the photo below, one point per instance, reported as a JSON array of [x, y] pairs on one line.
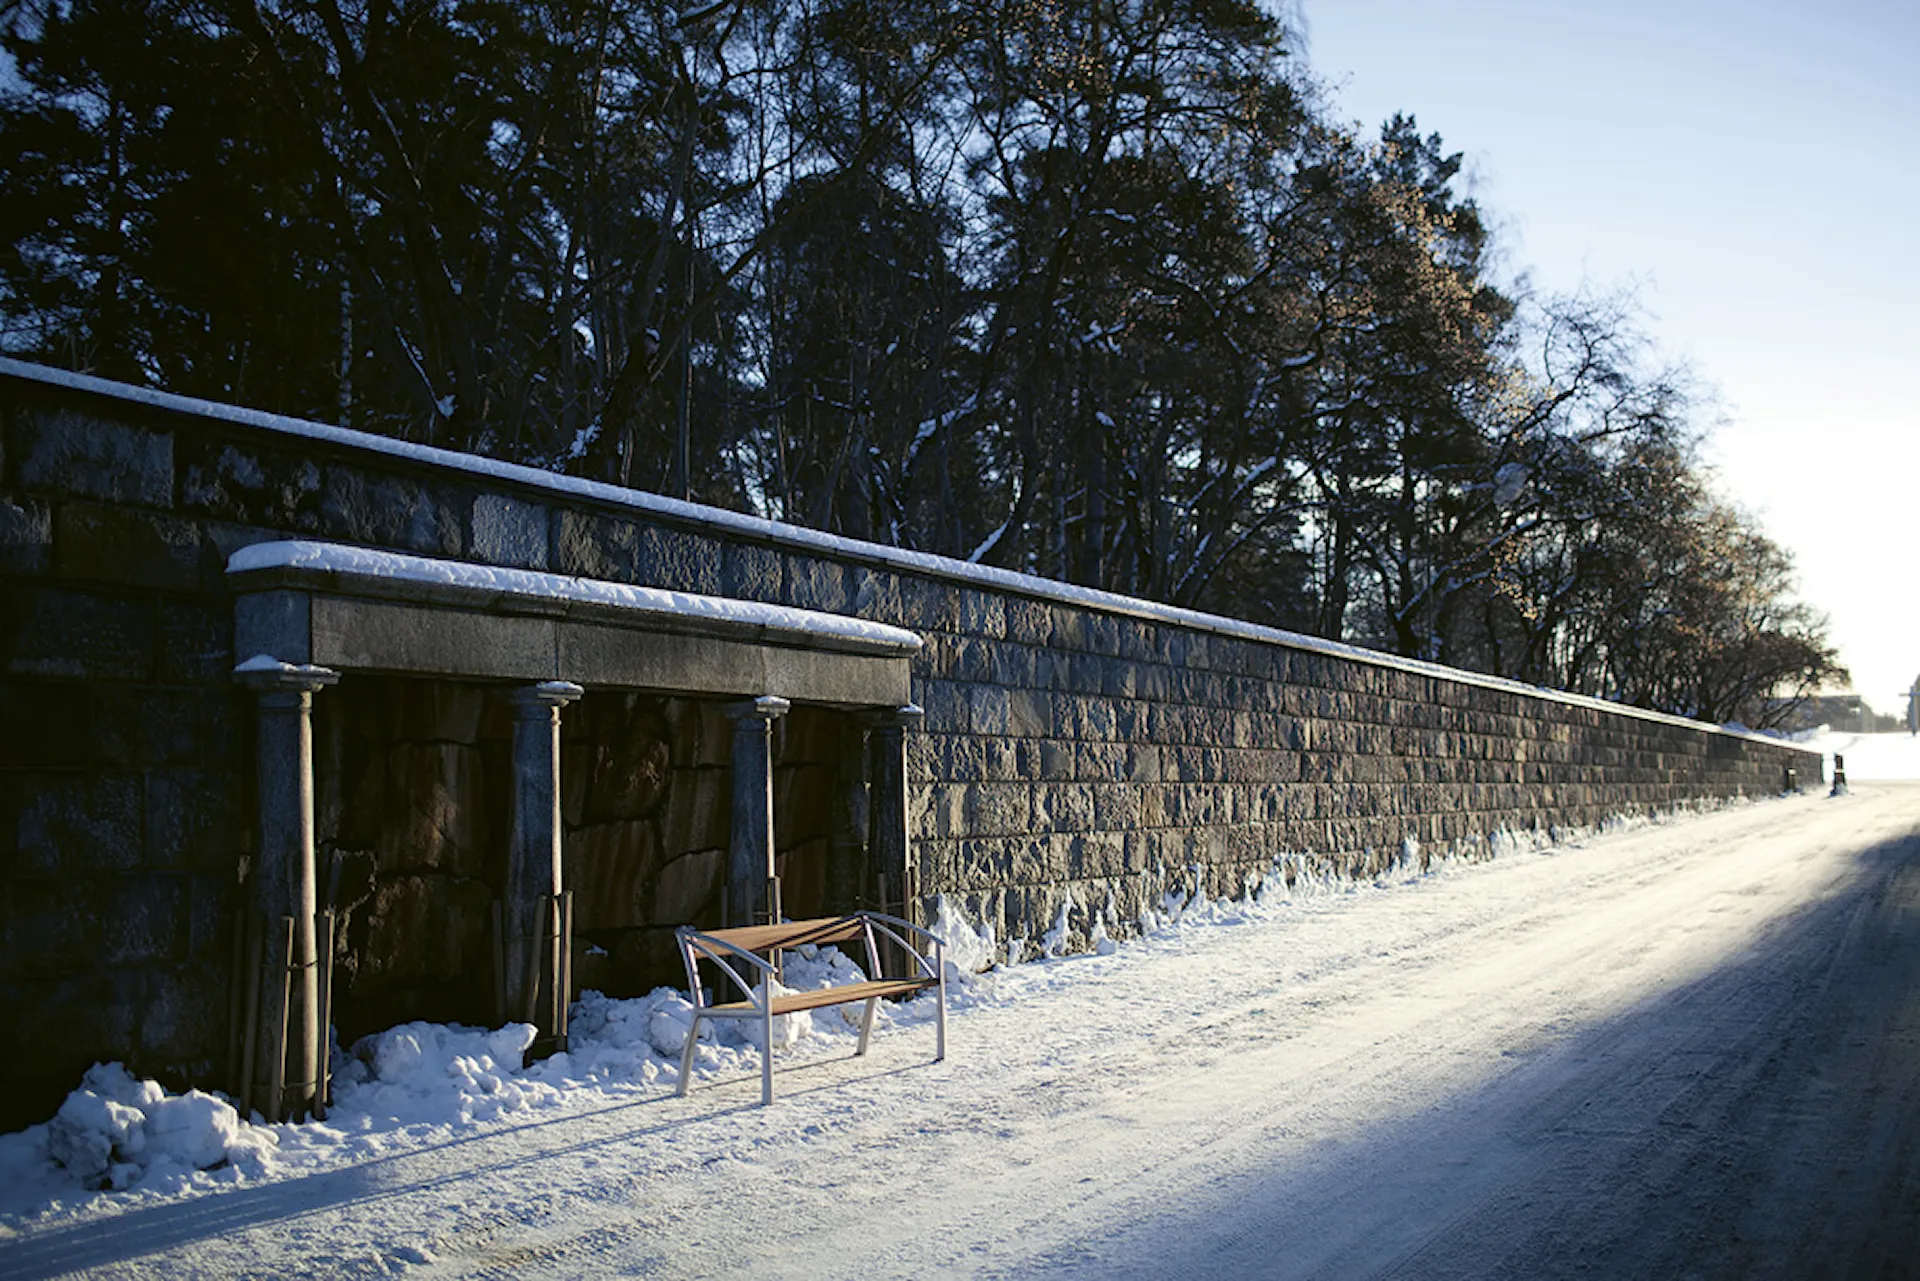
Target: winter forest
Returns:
[[1103, 291]]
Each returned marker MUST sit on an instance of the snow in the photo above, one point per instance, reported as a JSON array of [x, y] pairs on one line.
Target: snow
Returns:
[[365, 562], [731, 524], [1069, 1080], [968, 950], [1869, 757], [418, 1082], [265, 663], [115, 1130]]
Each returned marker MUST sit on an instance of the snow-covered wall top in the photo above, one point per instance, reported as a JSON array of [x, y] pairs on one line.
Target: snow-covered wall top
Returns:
[[343, 564], [733, 524]]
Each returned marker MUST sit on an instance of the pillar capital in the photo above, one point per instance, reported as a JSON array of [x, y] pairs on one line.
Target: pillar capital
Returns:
[[532, 701], [903, 717], [266, 674], [767, 707]]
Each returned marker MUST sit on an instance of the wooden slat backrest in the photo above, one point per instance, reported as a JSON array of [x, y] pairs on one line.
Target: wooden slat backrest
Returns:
[[758, 938]]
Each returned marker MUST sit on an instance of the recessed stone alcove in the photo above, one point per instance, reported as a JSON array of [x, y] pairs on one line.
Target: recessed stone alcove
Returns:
[[459, 677], [646, 788], [411, 780]]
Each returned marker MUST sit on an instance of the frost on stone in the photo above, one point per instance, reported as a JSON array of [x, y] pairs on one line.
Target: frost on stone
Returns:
[[1054, 941], [968, 950], [1099, 942]]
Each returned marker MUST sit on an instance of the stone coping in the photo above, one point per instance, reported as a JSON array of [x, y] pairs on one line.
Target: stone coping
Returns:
[[315, 608], [721, 523], [342, 570]]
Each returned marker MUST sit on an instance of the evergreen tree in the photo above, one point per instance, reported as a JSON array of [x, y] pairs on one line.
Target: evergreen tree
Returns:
[[1093, 289]]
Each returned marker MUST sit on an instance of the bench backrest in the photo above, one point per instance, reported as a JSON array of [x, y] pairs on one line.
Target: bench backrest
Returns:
[[759, 938]]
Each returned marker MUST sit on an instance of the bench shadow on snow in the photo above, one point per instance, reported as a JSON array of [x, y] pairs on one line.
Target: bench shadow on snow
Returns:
[[153, 1229], [1684, 1137]]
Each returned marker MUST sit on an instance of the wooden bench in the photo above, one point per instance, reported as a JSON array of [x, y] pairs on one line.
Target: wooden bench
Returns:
[[739, 953]]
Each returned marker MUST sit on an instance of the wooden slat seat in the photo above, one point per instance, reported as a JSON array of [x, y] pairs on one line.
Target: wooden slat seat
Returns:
[[843, 994], [749, 956]]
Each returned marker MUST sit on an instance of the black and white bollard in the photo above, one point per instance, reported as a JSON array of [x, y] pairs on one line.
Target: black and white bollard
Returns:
[[1839, 775]]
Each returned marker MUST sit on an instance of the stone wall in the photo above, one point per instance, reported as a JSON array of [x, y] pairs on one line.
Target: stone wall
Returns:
[[1112, 761], [1078, 750]]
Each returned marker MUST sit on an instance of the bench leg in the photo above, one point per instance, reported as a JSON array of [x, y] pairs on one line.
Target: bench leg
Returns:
[[766, 1057], [866, 1023], [686, 1057]]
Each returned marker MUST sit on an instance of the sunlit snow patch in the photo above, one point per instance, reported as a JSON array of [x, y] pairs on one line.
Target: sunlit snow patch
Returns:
[[120, 1129]]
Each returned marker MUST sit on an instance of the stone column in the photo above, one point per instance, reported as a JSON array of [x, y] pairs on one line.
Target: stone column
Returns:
[[284, 885], [533, 855], [848, 881], [750, 848], [887, 840]]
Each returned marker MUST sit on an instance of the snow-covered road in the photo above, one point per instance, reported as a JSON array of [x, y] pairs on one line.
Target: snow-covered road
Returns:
[[1687, 1049]]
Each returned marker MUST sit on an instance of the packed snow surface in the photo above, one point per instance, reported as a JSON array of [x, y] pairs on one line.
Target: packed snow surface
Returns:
[[1326, 1079]]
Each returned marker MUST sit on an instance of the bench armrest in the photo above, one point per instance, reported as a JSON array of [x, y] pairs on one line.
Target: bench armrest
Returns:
[[694, 945], [896, 928]]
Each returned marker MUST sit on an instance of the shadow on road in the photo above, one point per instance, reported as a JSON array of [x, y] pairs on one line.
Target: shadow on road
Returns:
[[137, 1233], [1760, 1121]]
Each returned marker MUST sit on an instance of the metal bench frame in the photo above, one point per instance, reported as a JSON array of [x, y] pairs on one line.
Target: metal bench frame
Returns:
[[735, 952]]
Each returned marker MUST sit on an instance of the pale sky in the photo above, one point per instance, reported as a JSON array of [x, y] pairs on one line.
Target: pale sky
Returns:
[[1753, 169]]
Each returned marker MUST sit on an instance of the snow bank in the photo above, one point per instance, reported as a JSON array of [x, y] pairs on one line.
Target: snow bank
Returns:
[[119, 1134], [115, 1130], [439, 1074], [968, 950]]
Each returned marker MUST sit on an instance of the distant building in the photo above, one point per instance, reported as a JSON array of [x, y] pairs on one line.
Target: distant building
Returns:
[[1844, 712]]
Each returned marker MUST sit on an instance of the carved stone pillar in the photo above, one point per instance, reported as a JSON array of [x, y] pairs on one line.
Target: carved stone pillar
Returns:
[[849, 883], [750, 896], [888, 844], [289, 1040], [534, 947]]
